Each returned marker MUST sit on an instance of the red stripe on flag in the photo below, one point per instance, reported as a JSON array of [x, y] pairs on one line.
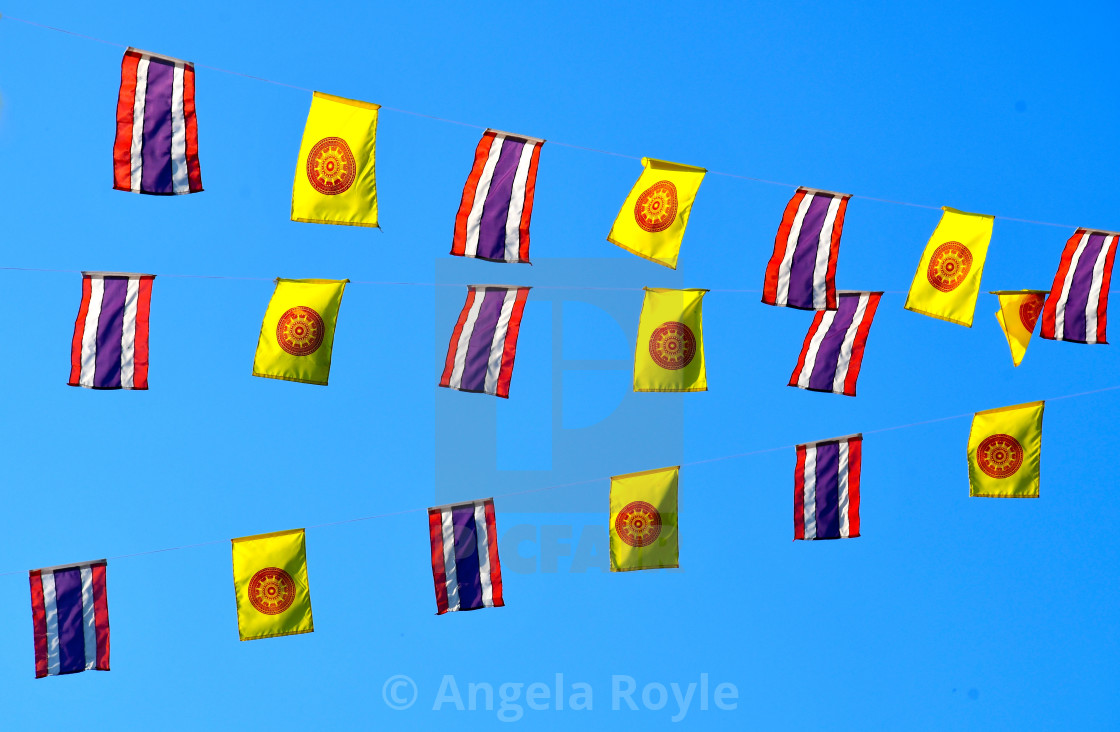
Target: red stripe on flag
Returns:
[[855, 454], [100, 616], [492, 546], [833, 253], [860, 343], [1049, 310], [1102, 302], [439, 575], [126, 101], [805, 348], [799, 495], [194, 173], [770, 287], [39, 623], [527, 209], [449, 364], [79, 331], [481, 153], [143, 311], [509, 350]]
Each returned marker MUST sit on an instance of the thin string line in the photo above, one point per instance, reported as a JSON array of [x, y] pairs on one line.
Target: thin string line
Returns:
[[551, 142]]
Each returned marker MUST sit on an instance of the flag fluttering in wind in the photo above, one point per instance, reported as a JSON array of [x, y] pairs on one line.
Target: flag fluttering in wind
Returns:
[[270, 585], [1004, 451], [652, 221], [70, 616], [948, 277], [484, 341], [297, 335], [832, 354], [493, 218], [1018, 312], [670, 351], [1078, 304], [109, 349], [826, 489], [465, 566], [643, 523], [335, 181], [156, 148], [802, 271]]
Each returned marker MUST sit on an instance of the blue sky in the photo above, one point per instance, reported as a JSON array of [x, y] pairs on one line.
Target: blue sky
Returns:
[[948, 612]]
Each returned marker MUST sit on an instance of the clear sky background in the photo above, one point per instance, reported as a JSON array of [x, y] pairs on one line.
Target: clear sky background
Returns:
[[948, 612]]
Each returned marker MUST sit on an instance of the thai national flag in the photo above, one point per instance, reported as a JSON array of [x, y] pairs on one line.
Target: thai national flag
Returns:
[[802, 270], [70, 613], [826, 489], [110, 345], [484, 342], [465, 563], [1077, 307], [833, 350]]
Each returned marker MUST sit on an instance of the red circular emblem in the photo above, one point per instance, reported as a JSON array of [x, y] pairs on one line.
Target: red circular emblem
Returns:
[[272, 591], [656, 208], [330, 166], [672, 345], [949, 265], [1029, 311], [999, 456], [638, 524], [300, 331]]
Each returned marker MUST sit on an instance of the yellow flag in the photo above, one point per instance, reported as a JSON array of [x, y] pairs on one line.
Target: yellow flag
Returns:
[[644, 520], [270, 583], [948, 277], [652, 221], [1004, 448], [297, 334], [335, 181], [1018, 312], [670, 351]]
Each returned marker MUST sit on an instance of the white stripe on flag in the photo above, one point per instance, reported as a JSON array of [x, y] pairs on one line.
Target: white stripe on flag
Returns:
[[54, 665], [178, 135], [810, 502], [452, 577], [88, 624], [465, 340], [517, 203], [128, 333], [138, 121], [498, 345], [845, 359], [1095, 292], [89, 333], [1060, 308], [814, 346], [791, 247], [483, 537], [842, 476], [475, 218], [824, 249]]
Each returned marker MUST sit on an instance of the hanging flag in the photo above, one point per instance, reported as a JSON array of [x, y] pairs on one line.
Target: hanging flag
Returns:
[[1004, 449], [643, 523], [484, 342], [110, 345], [652, 220], [493, 218], [297, 335], [70, 615], [826, 489], [270, 585], [156, 149], [1078, 304], [948, 277], [1017, 314], [833, 351], [465, 566], [670, 349], [802, 270], [335, 182]]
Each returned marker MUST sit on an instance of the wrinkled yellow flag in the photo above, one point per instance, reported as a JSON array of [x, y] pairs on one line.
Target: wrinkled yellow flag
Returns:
[[652, 221], [670, 352], [1004, 450], [297, 335], [270, 584], [1018, 312], [948, 277], [335, 182], [644, 520]]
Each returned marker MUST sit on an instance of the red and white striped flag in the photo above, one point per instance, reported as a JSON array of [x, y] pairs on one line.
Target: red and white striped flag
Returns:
[[465, 566], [110, 345], [833, 351], [826, 489], [1077, 308], [802, 271]]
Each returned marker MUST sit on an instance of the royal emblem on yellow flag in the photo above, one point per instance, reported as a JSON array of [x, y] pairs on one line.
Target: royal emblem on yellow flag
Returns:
[[670, 350], [948, 277], [1018, 312], [652, 221], [644, 520], [270, 584], [1004, 449], [297, 335], [335, 182]]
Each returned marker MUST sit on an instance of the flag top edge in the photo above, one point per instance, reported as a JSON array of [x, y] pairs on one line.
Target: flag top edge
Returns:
[[848, 438], [503, 133], [269, 535], [1088, 230], [344, 100], [163, 57], [860, 292], [500, 287], [671, 289], [312, 281], [681, 167], [950, 209], [460, 504], [1018, 292], [807, 189], [116, 274], [74, 565], [646, 472], [1024, 405]]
